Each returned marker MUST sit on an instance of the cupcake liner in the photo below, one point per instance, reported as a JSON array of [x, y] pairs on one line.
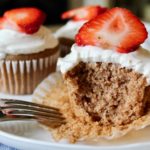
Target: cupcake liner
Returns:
[[22, 76], [65, 49], [65, 46], [45, 90], [45, 86]]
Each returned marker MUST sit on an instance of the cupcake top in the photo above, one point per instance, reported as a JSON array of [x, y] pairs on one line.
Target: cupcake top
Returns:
[[112, 38], [77, 17], [21, 32], [14, 42], [69, 30], [138, 60]]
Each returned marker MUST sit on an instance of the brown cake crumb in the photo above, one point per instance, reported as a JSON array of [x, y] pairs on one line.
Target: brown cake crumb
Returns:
[[132, 95], [76, 127], [109, 94]]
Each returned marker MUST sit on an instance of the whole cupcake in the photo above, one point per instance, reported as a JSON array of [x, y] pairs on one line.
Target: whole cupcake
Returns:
[[28, 50], [78, 16]]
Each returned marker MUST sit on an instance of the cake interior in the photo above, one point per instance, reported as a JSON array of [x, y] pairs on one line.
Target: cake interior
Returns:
[[108, 93]]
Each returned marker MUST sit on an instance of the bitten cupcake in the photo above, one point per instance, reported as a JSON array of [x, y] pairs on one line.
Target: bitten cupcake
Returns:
[[78, 17], [28, 50], [107, 75]]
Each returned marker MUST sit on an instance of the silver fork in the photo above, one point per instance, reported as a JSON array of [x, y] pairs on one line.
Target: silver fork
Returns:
[[11, 110]]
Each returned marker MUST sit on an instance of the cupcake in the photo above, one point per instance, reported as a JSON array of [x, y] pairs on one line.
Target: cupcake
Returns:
[[107, 75], [78, 16], [28, 50]]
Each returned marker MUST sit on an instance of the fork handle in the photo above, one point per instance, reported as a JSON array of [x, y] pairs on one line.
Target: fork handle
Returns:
[[12, 119], [4, 117]]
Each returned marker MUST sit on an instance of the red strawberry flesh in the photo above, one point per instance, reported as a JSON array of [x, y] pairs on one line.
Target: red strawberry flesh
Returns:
[[84, 13], [117, 28], [5, 24], [28, 19]]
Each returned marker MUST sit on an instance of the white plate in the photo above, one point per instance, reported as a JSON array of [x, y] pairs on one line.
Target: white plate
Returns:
[[29, 135]]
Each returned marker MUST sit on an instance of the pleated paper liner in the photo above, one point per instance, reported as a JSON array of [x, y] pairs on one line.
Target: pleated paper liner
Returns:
[[44, 94], [45, 87], [65, 46], [21, 75]]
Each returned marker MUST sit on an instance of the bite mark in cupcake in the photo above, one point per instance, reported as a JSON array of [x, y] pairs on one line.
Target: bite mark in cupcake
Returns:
[[110, 88]]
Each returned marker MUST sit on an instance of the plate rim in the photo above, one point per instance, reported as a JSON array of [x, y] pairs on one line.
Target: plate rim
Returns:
[[68, 145], [61, 145]]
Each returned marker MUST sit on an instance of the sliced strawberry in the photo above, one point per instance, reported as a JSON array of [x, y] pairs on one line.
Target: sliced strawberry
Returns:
[[28, 20], [84, 13], [117, 29], [4, 24]]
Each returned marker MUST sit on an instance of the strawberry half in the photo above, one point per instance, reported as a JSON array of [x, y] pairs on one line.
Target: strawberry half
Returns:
[[27, 20], [116, 29], [84, 13], [4, 24]]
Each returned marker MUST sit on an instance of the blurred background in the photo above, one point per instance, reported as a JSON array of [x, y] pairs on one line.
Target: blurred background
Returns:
[[54, 8]]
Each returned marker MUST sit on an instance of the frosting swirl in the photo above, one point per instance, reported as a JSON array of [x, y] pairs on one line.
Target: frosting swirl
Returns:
[[69, 30], [146, 44], [138, 60], [14, 42]]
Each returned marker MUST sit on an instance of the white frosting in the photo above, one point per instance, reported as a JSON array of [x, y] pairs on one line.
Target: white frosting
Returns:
[[69, 30], [138, 60], [14, 42], [146, 44]]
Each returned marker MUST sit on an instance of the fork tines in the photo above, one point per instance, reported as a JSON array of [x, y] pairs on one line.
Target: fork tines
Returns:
[[20, 109]]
